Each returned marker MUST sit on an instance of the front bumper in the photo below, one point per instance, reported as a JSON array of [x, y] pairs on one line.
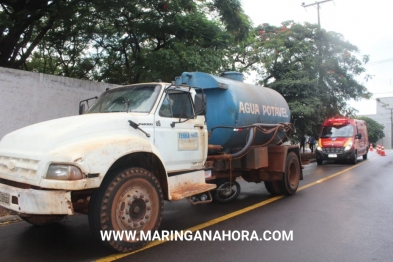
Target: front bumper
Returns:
[[33, 201], [345, 155]]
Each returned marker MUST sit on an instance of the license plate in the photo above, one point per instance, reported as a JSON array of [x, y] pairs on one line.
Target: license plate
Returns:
[[5, 198], [332, 155]]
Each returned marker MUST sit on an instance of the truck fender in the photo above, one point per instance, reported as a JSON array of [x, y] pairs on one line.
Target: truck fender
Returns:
[[96, 156]]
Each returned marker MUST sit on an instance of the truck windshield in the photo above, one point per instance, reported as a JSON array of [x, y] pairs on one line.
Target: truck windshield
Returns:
[[137, 98], [337, 131]]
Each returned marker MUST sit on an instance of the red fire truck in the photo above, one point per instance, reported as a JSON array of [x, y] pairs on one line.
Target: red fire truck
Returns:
[[342, 139]]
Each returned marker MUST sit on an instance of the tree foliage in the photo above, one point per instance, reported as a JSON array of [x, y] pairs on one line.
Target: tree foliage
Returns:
[[316, 71], [121, 41], [25, 23], [374, 129], [132, 41]]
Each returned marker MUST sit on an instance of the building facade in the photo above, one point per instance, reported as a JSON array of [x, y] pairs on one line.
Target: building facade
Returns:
[[384, 116]]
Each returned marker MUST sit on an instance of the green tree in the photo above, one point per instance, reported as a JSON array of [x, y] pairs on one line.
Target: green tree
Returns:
[[374, 129], [152, 39], [121, 41], [66, 49], [24, 24], [316, 71]]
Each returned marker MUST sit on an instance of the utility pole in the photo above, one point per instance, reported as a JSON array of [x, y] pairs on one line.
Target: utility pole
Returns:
[[319, 40], [317, 3]]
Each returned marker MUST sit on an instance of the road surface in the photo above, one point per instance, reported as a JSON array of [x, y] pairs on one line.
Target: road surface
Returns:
[[341, 212]]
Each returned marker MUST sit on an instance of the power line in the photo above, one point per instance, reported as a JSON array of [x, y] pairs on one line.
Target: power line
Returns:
[[381, 93], [380, 62]]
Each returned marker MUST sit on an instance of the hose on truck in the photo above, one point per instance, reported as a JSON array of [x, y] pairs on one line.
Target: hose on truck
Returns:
[[273, 129]]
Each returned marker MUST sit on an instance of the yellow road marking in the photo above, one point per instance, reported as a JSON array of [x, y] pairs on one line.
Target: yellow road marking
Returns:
[[225, 217]]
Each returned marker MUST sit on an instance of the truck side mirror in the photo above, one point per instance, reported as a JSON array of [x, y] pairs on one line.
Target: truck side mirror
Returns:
[[82, 109], [200, 104], [358, 136], [82, 104]]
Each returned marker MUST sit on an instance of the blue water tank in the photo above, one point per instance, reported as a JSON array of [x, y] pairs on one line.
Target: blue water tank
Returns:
[[231, 102]]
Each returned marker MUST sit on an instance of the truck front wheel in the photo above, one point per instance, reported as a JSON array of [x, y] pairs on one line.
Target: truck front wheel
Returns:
[[130, 203], [291, 179], [354, 158]]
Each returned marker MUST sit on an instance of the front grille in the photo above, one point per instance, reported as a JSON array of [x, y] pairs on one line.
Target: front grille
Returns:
[[25, 168], [333, 150]]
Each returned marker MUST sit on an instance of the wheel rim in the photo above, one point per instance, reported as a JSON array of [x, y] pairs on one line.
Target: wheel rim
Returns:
[[133, 209], [131, 202]]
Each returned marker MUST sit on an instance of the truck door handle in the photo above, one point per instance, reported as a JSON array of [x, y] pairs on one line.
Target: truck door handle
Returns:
[[199, 125]]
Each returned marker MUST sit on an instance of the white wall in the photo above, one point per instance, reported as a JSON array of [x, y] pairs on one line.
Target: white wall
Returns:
[[27, 97]]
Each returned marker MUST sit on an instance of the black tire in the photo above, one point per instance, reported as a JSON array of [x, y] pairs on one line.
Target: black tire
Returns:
[[131, 199], [365, 156], [354, 158], [42, 220], [273, 187], [291, 179], [226, 191], [319, 161]]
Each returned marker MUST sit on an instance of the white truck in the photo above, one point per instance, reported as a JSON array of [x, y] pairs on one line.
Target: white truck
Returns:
[[141, 144]]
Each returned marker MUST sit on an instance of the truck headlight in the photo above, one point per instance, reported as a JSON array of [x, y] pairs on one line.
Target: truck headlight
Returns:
[[348, 146], [63, 172], [319, 145]]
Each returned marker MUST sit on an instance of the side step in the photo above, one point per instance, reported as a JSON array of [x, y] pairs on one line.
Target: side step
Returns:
[[191, 190]]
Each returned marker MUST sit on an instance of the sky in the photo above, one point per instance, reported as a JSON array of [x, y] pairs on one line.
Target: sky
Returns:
[[365, 24]]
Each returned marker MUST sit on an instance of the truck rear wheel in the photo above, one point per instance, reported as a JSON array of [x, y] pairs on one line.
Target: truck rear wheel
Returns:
[[42, 220], [291, 179], [273, 187], [130, 201]]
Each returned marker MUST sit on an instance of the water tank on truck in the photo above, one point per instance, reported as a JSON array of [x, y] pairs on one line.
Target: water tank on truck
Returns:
[[233, 103]]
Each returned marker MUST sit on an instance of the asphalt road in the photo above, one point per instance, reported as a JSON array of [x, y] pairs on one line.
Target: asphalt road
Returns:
[[340, 213]]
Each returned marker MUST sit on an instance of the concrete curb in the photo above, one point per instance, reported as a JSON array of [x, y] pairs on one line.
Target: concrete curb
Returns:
[[9, 219]]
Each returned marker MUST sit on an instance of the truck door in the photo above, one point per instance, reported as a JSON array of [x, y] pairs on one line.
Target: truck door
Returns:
[[182, 145]]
